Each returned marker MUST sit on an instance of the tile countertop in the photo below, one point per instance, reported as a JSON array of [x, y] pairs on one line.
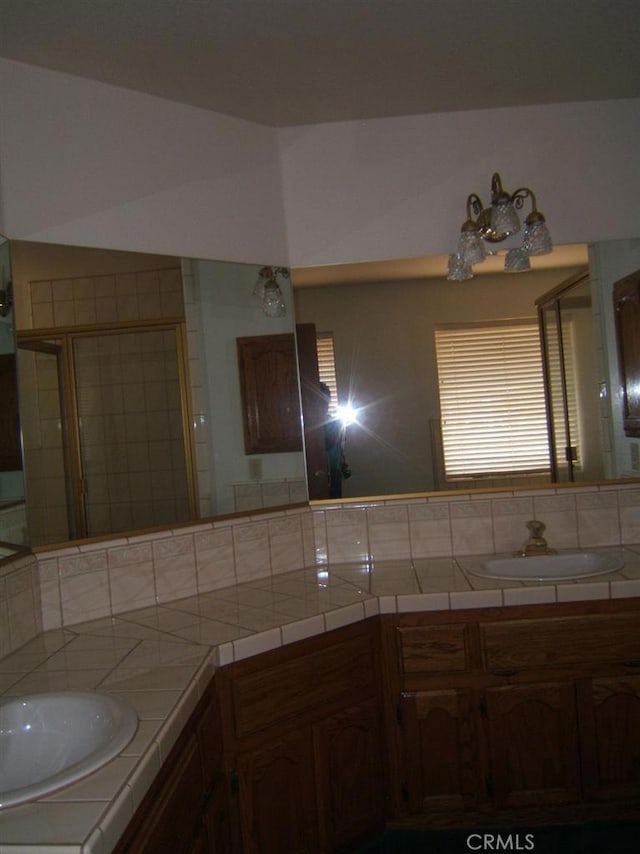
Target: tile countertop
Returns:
[[162, 658]]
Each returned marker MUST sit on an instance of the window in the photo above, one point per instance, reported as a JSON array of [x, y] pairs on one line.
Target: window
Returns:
[[327, 367], [492, 401]]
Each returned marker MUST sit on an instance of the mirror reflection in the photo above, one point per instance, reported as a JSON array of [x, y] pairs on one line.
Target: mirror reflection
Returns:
[[132, 406], [440, 412], [130, 397], [12, 508]]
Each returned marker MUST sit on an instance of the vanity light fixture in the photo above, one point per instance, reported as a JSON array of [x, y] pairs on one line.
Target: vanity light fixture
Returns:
[[494, 224], [267, 290], [6, 299]]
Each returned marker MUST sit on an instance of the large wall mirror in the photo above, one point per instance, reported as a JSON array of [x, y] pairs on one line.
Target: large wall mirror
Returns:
[[12, 505], [131, 411], [381, 321], [111, 343]]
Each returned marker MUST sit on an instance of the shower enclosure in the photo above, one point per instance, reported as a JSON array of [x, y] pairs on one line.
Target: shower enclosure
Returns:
[[105, 431], [567, 333]]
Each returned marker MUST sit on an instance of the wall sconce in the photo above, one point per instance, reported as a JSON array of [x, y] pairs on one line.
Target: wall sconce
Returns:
[[6, 299], [267, 290], [493, 225]]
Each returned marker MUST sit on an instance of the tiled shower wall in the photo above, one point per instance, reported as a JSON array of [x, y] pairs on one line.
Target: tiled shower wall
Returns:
[[102, 579], [113, 298], [130, 413], [128, 402]]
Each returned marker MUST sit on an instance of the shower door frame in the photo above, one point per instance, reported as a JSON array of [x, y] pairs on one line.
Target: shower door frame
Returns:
[[552, 301], [40, 340]]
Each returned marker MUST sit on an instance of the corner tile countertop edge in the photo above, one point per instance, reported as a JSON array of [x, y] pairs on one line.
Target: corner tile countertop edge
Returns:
[[163, 656]]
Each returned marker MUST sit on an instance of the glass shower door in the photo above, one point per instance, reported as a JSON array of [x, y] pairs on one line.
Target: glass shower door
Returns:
[[53, 516], [571, 383], [131, 430], [105, 432]]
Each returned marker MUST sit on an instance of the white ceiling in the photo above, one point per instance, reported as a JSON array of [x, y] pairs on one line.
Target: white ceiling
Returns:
[[290, 62]]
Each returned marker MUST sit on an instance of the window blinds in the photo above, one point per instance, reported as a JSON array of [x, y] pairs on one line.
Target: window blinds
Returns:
[[491, 399], [327, 367]]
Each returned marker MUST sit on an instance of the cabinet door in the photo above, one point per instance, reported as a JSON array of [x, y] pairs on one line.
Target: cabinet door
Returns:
[[220, 822], [533, 744], [443, 750], [201, 843], [609, 714], [277, 797], [350, 773], [172, 820], [270, 394]]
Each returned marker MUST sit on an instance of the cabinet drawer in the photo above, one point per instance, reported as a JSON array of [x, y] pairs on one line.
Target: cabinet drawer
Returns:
[[560, 641], [434, 649], [307, 684]]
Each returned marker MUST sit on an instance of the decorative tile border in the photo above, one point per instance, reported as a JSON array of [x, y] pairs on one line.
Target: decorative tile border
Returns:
[[105, 578]]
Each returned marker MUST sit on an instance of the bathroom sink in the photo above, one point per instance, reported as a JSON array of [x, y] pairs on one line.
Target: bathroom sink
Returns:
[[552, 567], [50, 740]]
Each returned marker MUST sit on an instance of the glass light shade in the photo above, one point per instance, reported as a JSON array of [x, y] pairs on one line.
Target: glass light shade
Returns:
[[458, 269], [537, 240], [272, 301], [471, 247], [504, 219], [517, 261]]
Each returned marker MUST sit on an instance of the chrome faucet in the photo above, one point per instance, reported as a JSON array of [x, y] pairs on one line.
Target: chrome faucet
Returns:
[[536, 544]]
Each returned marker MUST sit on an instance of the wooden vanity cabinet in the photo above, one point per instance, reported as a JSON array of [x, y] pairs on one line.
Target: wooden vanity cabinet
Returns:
[[532, 744], [445, 771], [473, 718], [535, 717], [350, 774], [186, 810], [277, 795], [285, 752], [304, 742], [609, 710], [440, 741]]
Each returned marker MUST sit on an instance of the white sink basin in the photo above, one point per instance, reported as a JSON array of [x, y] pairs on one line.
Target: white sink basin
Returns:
[[50, 740], [559, 567]]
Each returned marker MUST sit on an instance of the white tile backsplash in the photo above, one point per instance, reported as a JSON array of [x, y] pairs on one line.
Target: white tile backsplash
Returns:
[[388, 532], [430, 530], [471, 527], [99, 579], [629, 504], [347, 535], [598, 518]]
